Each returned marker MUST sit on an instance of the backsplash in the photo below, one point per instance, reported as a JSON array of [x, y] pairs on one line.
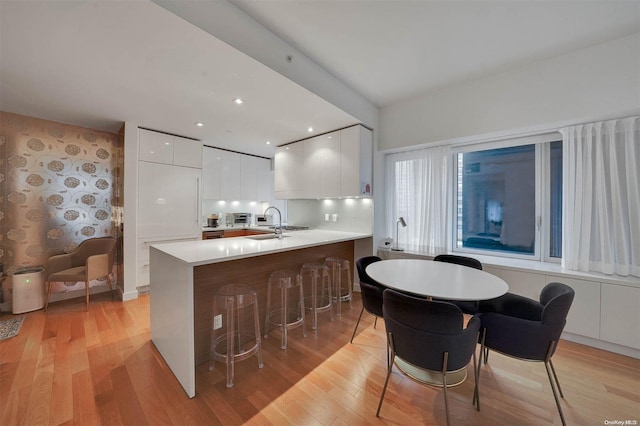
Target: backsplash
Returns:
[[351, 214], [220, 207], [59, 186]]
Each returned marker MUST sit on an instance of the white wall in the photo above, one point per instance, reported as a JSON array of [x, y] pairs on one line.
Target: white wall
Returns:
[[596, 83]]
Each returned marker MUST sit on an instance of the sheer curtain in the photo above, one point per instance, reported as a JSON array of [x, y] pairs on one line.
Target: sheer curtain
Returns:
[[601, 210], [418, 188]]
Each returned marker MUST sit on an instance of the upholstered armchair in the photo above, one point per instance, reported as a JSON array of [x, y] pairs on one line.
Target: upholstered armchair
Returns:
[[92, 259]]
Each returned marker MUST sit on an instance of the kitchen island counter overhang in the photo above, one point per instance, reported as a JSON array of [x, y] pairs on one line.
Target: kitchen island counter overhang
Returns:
[[186, 275]]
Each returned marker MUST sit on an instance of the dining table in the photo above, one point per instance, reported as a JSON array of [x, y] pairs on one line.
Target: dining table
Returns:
[[436, 280]]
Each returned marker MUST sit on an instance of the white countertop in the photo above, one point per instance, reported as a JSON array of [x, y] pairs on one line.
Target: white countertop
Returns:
[[204, 252], [237, 227]]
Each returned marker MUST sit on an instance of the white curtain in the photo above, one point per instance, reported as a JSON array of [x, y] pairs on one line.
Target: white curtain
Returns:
[[601, 207], [417, 189]]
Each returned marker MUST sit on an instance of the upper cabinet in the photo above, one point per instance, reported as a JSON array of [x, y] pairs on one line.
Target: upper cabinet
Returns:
[[162, 148], [233, 176], [336, 164]]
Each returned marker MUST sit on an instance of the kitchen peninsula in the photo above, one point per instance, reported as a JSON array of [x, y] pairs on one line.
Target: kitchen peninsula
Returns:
[[186, 275]]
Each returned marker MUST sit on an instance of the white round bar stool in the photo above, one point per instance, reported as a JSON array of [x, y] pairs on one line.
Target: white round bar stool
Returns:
[[342, 289], [234, 338], [319, 298], [285, 315]]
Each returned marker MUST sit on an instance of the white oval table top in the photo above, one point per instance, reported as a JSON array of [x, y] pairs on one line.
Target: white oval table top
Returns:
[[439, 280]]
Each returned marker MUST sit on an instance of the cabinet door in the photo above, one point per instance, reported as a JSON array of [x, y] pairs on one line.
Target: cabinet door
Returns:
[[289, 171], [249, 177], [264, 190], [155, 147], [357, 156], [230, 175], [620, 319], [322, 166], [584, 315], [168, 200], [187, 152], [211, 173], [525, 284]]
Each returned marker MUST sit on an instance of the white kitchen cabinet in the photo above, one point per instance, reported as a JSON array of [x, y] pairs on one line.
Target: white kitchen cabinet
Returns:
[[322, 166], [289, 173], [620, 320], [155, 147], [187, 152], [234, 176], [357, 161], [168, 200], [337, 164], [162, 148]]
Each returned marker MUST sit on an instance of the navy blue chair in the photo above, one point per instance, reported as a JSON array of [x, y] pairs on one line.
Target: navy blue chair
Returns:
[[371, 291], [429, 335], [523, 328], [468, 307]]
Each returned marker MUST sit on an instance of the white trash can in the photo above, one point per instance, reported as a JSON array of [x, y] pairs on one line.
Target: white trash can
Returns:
[[28, 290]]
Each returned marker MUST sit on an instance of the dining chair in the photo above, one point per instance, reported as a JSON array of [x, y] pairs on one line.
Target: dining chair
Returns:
[[371, 291], [91, 260], [526, 329], [429, 335], [468, 307]]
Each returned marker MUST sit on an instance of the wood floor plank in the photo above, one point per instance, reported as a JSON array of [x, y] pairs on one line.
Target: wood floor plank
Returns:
[[68, 366]]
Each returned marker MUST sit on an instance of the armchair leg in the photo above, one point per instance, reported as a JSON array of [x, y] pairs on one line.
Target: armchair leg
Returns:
[[389, 368], [113, 296], [483, 351], [476, 391], [555, 393], [444, 384], [46, 302], [357, 322], [86, 291]]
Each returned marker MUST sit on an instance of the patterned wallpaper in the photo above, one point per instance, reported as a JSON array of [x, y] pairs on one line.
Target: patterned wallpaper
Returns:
[[59, 185]]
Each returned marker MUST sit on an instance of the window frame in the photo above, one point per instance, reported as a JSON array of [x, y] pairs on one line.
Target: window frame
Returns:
[[542, 200]]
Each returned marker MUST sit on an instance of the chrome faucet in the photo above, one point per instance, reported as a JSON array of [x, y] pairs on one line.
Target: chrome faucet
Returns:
[[279, 234]]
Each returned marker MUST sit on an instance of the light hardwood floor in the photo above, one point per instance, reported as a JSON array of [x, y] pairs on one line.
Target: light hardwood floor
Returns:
[[68, 366]]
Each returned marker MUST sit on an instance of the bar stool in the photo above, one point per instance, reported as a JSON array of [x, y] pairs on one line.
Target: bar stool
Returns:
[[320, 297], [285, 316], [341, 293], [232, 340]]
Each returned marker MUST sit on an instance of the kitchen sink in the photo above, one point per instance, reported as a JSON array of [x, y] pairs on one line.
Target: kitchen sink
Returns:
[[266, 237]]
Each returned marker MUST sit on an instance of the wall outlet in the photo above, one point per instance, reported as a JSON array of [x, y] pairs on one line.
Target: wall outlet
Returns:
[[217, 322], [326, 217], [334, 217]]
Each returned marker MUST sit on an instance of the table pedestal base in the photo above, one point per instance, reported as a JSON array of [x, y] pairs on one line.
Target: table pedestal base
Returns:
[[431, 377]]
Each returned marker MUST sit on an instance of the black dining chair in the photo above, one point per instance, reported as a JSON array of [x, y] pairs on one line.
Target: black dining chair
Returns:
[[371, 291], [468, 307], [429, 335], [526, 329]]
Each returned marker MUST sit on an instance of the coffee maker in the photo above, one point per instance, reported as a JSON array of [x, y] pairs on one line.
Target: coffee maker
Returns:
[[212, 221]]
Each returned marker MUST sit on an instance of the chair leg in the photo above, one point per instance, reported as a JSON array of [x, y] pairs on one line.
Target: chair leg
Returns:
[[444, 384], [357, 322], [483, 351], [389, 367], [547, 364], [375, 321], [476, 391], [555, 394], [113, 296], [46, 302], [86, 291]]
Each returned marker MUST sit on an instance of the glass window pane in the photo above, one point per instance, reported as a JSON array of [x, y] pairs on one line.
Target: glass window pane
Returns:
[[496, 200], [555, 226]]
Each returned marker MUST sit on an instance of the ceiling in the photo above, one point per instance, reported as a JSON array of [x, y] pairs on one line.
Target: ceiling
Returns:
[[393, 50], [98, 64]]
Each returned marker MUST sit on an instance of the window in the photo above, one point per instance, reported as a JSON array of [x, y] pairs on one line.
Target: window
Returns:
[[503, 193]]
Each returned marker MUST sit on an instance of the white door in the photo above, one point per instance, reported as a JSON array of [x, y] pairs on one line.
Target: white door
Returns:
[[168, 200]]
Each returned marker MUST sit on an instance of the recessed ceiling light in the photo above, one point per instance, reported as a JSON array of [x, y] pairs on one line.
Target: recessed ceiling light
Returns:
[[287, 147], [268, 143], [238, 101], [310, 129], [199, 124], [329, 137]]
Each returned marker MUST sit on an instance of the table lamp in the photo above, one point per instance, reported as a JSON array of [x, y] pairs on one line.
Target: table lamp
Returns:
[[404, 225]]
